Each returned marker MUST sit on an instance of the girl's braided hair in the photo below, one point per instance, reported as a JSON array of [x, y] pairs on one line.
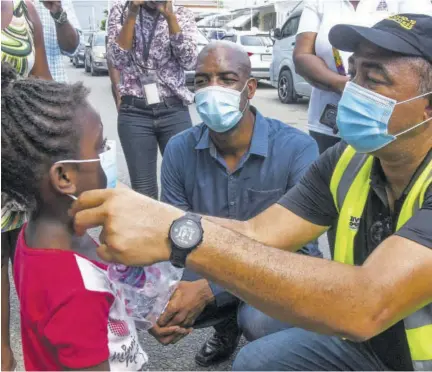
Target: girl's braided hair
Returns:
[[37, 129]]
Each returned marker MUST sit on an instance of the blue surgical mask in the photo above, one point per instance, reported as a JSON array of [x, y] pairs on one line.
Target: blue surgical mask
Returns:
[[363, 118], [108, 160], [219, 107]]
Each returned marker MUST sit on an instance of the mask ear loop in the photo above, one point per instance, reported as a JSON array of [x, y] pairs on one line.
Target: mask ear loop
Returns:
[[75, 162], [417, 125], [414, 98], [414, 127], [247, 101]]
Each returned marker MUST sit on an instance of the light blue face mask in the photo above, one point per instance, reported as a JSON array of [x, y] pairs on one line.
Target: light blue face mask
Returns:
[[108, 160], [363, 117], [219, 107]]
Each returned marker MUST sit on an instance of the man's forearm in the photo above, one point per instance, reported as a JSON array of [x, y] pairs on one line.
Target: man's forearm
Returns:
[[293, 288], [67, 37]]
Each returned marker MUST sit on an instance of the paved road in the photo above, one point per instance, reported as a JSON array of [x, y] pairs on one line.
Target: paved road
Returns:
[[180, 356]]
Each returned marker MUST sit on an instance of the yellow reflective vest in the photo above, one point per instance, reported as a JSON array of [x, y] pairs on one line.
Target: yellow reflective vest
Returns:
[[350, 186]]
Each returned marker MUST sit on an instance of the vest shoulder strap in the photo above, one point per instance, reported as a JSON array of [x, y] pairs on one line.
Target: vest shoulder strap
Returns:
[[346, 170]]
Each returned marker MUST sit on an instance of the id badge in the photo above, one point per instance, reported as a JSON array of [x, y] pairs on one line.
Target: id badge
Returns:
[[150, 88]]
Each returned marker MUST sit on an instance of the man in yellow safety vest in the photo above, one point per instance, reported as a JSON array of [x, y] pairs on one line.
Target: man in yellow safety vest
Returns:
[[372, 308]]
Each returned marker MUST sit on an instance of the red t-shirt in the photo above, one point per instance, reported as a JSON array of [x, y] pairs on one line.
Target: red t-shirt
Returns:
[[71, 315]]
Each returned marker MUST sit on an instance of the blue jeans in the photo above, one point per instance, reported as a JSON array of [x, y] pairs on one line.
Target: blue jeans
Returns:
[[295, 349], [141, 130], [255, 324]]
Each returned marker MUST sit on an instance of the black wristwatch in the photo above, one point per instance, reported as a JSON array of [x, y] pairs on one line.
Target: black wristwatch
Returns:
[[60, 17], [186, 234]]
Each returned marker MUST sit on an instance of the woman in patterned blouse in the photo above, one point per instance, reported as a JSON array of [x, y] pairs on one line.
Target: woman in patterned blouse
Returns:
[[152, 46]]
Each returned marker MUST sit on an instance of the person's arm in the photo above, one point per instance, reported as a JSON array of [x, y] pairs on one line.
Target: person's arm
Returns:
[[183, 35], [117, 55], [67, 34], [173, 175], [125, 37], [356, 302], [40, 67], [307, 64], [114, 75]]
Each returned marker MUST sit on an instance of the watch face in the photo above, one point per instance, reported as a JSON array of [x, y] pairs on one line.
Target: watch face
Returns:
[[185, 233]]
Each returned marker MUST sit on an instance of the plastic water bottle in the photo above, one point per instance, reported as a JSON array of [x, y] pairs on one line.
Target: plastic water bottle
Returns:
[[145, 290]]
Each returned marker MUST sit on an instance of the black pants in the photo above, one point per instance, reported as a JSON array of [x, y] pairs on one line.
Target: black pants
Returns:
[[324, 141], [220, 317], [141, 130]]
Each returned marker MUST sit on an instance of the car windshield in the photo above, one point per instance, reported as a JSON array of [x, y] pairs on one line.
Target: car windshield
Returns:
[[256, 40], [99, 40]]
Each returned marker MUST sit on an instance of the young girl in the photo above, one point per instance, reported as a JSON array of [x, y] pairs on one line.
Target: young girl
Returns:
[[53, 150]]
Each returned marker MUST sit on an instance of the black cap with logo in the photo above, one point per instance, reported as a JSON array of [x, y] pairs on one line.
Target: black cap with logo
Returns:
[[407, 34]]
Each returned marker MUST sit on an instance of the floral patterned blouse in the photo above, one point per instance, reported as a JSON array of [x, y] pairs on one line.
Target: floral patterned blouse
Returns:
[[169, 57]]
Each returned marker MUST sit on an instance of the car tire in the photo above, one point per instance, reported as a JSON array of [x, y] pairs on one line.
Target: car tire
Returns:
[[92, 70], [286, 91], [86, 66], [76, 63]]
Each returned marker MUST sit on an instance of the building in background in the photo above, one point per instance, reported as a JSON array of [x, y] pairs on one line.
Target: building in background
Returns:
[[234, 14], [90, 13]]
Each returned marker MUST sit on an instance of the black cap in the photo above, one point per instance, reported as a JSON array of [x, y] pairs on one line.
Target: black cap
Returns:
[[407, 34]]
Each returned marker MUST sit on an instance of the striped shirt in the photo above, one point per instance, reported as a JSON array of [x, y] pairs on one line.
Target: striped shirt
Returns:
[[53, 51]]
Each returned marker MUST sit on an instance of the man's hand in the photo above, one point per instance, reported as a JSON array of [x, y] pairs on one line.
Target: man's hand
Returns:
[[186, 304], [169, 335], [53, 6], [135, 227]]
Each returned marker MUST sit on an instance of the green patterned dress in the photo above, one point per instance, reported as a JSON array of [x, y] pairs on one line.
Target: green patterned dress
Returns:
[[18, 49]]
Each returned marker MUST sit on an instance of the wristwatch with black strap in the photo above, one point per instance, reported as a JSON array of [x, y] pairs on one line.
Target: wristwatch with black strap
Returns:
[[60, 17], [186, 234]]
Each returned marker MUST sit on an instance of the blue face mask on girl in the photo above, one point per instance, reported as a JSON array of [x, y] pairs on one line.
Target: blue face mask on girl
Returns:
[[363, 117], [108, 161], [219, 107]]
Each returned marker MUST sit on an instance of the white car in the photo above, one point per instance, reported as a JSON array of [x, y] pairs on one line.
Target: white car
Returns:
[[259, 48], [290, 85]]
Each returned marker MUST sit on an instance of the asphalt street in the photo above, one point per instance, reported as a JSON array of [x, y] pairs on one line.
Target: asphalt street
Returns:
[[181, 355]]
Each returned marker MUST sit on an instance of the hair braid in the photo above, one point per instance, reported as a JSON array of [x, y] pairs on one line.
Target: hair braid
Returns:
[[37, 130]]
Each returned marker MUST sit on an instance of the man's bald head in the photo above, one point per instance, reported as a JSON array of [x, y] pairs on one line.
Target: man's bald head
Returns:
[[227, 56]]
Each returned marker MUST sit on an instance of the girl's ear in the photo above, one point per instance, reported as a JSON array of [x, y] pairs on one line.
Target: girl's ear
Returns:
[[63, 178]]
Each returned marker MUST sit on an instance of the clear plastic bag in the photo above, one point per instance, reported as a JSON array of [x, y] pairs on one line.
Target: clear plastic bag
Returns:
[[146, 290]]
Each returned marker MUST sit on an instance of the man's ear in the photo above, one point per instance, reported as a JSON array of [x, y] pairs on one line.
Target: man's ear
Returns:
[[252, 85], [63, 178]]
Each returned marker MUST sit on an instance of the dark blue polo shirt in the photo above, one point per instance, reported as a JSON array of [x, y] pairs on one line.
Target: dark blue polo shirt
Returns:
[[195, 176]]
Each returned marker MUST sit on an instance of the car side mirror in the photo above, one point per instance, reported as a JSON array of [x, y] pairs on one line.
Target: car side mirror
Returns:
[[276, 34]]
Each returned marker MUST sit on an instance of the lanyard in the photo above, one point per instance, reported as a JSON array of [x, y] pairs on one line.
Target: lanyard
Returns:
[[147, 46]]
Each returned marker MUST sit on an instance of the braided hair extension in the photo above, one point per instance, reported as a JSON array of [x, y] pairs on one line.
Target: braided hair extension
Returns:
[[37, 130]]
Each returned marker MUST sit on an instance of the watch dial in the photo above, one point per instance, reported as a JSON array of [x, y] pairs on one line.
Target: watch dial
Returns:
[[185, 233]]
